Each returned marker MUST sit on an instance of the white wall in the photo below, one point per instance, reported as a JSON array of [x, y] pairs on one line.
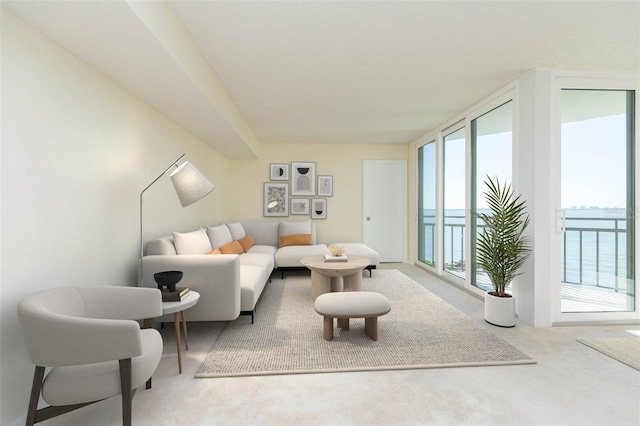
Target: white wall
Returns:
[[76, 152]]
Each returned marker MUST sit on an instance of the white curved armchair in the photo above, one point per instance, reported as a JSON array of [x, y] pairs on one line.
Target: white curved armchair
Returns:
[[91, 340]]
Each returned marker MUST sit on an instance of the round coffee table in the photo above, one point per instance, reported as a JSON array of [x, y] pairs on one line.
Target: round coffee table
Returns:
[[335, 276]]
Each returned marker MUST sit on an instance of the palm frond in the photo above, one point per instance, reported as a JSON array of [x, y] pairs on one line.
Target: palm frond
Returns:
[[502, 247]]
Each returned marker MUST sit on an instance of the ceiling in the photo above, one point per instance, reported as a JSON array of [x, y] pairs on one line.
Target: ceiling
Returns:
[[239, 74]]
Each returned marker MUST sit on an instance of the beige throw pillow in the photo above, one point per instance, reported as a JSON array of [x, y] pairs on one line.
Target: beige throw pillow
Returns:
[[196, 242]]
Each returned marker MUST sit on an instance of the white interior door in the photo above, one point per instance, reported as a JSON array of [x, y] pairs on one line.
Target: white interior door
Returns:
[[385, 208]]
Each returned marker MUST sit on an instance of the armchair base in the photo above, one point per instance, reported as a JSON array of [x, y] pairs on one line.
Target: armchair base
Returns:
[[35, 415]]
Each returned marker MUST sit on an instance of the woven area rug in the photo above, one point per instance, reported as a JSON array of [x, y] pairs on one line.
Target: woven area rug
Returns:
[[623, 349], [421, 331]]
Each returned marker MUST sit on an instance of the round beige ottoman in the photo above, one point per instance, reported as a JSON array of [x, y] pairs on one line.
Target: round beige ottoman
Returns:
[[352, 304]]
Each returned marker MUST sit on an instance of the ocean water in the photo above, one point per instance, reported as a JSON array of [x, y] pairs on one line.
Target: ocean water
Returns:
[[593, 247]]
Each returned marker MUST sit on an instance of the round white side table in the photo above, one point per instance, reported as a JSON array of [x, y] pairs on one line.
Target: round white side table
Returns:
[[177, 309]]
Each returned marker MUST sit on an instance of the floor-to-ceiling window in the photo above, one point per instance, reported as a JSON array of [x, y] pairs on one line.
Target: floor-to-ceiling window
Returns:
[[453, 234], [491, 156], [597, 201], [427, 204], [580, 169]]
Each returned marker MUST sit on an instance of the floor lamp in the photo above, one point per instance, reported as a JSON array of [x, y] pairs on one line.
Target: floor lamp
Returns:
[[190, 185]]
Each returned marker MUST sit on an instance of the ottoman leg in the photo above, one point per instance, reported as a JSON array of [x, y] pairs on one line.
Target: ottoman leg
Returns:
[[371, 327], [328, 328]]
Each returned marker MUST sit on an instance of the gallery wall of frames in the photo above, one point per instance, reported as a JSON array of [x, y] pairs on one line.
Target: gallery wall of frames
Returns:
[[295, 189]]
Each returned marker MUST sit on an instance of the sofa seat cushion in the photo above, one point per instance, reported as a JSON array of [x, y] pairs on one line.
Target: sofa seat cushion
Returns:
[[287, 257], [261, 248], [262, 260], [252, 282]]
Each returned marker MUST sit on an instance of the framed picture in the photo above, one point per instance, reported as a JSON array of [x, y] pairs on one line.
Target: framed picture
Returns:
[[276, 199], [325, 186], [303, 178], [279, 172], [299, 206], [319, 208]]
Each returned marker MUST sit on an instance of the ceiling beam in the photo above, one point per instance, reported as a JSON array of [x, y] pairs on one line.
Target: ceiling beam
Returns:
[[167, 28]]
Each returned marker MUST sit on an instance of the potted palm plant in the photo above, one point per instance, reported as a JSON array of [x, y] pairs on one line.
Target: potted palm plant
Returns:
[[501, 249]]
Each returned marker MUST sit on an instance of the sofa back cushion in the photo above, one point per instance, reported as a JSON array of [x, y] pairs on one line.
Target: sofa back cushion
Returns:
[[298, 228], [195, 242], [160, 246], [219, 236], [236, 230], [263, 233]]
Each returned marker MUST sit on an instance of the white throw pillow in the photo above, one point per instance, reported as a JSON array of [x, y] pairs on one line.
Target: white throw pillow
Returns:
[[295, 228], [219, 236], [237, 231], [195, 242]]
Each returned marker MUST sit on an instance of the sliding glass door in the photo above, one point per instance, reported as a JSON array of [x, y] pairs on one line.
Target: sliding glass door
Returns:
[[427, 204], [597, 200], [453, 234], [491, 156]]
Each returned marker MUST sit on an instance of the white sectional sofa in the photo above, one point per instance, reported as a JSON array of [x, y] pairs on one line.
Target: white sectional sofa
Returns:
[[230, 284]]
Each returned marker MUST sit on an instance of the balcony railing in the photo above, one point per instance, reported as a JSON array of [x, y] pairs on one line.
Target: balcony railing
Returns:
[[594, 250]]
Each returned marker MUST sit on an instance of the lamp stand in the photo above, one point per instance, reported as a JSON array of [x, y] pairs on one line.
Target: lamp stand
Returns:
[[141, 236]]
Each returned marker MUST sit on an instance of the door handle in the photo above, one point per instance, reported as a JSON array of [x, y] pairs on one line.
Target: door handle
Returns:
[[561, 221], [368, 218]]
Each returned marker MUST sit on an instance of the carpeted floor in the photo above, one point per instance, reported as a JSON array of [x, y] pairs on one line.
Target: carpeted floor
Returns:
[[623, 349], [421, 331]]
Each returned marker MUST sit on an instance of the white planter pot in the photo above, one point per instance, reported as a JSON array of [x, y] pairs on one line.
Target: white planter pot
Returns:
[[500, 311]]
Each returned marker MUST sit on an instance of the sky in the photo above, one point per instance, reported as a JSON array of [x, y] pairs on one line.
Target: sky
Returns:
[[593, 163], [593, 157]]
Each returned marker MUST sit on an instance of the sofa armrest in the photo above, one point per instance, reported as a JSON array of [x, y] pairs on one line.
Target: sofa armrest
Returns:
[[215, 277]]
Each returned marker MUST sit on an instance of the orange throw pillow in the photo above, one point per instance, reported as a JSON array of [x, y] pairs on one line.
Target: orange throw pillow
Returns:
[[216, 251], [233, 247], [246, 242], [295, 240]]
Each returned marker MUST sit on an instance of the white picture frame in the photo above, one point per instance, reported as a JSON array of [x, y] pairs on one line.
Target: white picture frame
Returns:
[[325, 186], [276, 199], [279, 171], [300, 206], [303, 178], [318, 208]]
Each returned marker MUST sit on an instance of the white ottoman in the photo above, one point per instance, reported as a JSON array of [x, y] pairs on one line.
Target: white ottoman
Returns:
[[352, 304], [359, 249]]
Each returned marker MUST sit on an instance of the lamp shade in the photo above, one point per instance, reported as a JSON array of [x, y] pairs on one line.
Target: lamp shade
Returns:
[[190, 184]]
